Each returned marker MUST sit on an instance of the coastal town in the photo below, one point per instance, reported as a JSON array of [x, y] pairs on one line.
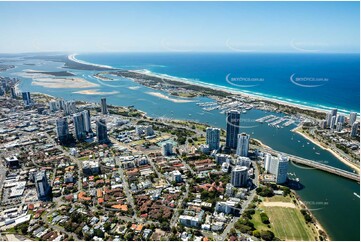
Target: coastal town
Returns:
[[72, 170]]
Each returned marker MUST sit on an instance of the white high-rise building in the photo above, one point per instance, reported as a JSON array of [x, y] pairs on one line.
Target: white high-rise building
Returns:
[[239, 176], [86, 121], [267, 162], [354, 129], [212, 138], [242, 144], [353, 117], [277, 166], [79, 126], [176, 176]]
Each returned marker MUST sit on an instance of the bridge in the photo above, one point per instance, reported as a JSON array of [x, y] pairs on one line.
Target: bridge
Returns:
[[314, 164]]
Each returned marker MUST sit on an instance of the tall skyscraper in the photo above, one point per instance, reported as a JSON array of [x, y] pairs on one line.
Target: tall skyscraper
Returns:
[[233, 122], [353, 117], [103, 106], [354, 129], [277, 166], [239, 176], [69, 107], [333, 122], [61, 104], [328, 119], [334, 112], [86, 120], [26, 98], [12, 92], [62, 130], [267, 161], [212, 138], [53, 106], [339, 127], [167, 149], [102, 133], [79, 126], [323, 124], [242, 144], [340, 119], [42, 185]]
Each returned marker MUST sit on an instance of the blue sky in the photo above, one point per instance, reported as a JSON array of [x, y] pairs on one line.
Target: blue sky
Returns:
[[179, 26]]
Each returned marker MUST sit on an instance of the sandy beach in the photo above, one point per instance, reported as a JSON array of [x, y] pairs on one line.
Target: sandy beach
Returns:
[[72, 57], [134, 88], [230, 90], [317, 223], [50, 81], [160, 95], [63, 83], [322, 146], [234, 92], [95, 92]]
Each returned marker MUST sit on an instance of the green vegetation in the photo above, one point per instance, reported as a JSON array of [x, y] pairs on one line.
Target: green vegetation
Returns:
[[288, 223], [264, 191], [307, 216], [267, 235], [264, 218], [258, 224]]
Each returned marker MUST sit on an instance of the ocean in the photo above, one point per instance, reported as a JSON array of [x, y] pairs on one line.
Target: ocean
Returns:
[[331, 198], [323, 81]]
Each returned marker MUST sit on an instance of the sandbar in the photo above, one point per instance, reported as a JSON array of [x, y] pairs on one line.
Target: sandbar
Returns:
[[160, 95]]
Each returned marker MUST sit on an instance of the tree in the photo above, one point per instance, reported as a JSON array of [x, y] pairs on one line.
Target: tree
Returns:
[[264, 218], [164, 225], [267, 235], [256, 234], [99, 233], [107, 226]]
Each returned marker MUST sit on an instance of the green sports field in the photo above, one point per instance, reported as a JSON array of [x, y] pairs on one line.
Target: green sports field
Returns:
[[288, 223]]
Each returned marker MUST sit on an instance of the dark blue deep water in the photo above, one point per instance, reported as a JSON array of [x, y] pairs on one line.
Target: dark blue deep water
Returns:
[[326, 80]]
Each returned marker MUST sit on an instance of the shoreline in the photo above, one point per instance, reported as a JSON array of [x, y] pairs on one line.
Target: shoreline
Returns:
[[72, 57], [317, 224], [339, 157], [229, 90], [162, 96], [232, 91]]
